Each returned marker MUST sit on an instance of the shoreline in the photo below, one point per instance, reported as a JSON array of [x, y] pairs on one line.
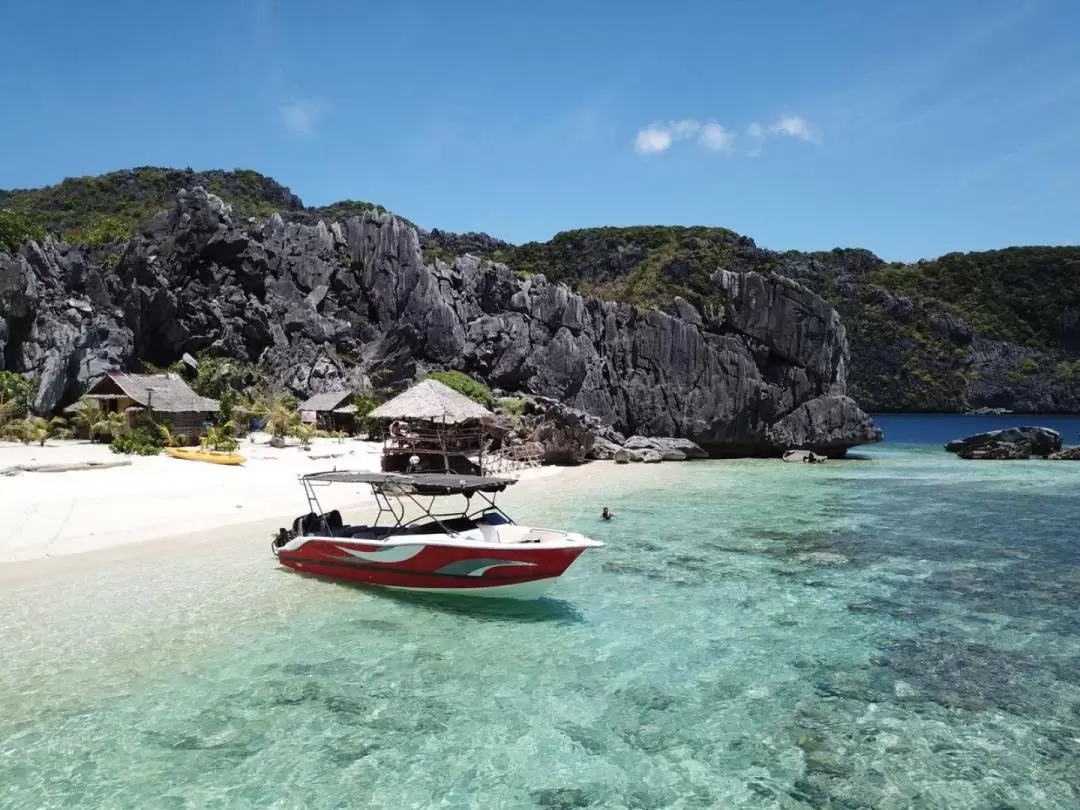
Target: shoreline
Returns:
[[46, 541]]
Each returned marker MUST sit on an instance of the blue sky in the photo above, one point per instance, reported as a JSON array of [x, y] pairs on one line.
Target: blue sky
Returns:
[[911, 128]]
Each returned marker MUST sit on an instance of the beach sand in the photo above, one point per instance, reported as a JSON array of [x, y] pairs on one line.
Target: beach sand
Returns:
[[55, 514]]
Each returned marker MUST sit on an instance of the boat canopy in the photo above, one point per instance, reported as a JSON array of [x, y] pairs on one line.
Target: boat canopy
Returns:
[[426, 484]]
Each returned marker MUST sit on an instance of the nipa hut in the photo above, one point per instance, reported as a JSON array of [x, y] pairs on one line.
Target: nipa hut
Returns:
[[167, 398], [332, 410], [431, 427]]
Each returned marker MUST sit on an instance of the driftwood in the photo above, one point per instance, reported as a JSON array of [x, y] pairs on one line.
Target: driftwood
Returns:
[[74, 467]]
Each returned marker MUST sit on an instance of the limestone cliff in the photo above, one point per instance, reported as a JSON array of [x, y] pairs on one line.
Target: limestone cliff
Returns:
[[318, 305]]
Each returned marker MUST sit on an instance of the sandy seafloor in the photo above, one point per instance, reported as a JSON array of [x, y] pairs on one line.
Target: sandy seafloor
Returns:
[[901, 631]]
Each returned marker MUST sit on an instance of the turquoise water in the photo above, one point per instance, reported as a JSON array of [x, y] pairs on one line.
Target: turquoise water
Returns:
[[897, 632]]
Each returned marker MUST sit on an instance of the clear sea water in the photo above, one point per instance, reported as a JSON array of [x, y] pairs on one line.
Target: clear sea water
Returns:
[[897, 631]]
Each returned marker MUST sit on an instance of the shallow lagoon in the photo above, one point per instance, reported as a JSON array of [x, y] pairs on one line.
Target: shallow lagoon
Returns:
[[900, 631]]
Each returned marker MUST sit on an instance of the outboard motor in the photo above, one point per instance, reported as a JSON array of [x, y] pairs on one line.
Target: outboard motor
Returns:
[[282, 537]]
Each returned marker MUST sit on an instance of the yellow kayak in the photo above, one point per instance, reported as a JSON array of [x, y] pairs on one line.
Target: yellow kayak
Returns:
[[192, 454]]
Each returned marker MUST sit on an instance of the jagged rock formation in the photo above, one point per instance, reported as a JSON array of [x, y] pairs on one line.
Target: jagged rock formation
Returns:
[[58, 321], [318, 305], [995, 329]]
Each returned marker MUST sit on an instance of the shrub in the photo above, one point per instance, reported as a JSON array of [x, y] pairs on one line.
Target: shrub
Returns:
[[16, 229], [139, 442], [15, 396], [512, 406], [466, 385], [304, 432], [102, 230]]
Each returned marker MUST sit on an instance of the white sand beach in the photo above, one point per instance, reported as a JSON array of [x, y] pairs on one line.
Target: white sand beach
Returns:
[[50, 514]]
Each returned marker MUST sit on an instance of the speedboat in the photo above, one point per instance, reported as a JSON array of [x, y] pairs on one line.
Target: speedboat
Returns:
[[475, 550]]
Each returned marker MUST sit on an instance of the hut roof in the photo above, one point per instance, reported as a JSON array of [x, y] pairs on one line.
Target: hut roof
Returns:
[[326, 402], [430, 401], [162, 392]]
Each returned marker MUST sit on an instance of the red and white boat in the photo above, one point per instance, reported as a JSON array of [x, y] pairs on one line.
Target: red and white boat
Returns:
[[474, 551]]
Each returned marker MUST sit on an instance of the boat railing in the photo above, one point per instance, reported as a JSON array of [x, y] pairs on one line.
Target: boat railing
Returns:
[[542, 535]]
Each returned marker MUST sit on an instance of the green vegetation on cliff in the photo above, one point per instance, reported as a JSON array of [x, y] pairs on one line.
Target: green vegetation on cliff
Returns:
[[107, 208], [1018, 294], [644, 265], [16, 228]]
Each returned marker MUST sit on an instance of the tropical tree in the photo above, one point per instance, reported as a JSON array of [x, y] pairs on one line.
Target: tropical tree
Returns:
[[170, 439], [218, 438], [90, 420], [116, 424], [36, 429], [282, 417]]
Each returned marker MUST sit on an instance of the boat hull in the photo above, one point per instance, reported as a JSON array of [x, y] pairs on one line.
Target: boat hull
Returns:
[[516, 572]]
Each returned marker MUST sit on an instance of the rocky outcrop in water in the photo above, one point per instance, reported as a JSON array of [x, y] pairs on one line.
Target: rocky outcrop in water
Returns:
[[1066, 454], [319, 305], [1017, 442], [996, 451]]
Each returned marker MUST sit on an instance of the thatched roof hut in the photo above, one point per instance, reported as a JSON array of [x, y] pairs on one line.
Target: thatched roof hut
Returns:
[[332, 410], [326, 402], [431, 401], [167, 395]]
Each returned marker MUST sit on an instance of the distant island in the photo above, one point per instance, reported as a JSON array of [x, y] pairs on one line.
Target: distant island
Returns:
[[998, 329]]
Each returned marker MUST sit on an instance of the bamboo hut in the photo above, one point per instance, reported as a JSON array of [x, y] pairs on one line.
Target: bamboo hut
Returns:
[[166, 397], [432, 427]]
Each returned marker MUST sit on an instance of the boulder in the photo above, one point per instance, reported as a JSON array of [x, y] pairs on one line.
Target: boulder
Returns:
[[603, 449], [826, 426], [565, 434], [651, 457], [1038, 441], [670, 448], [625, 456], [996, 450]]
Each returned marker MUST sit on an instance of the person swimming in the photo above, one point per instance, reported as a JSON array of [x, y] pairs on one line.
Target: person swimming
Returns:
[[606, 514]]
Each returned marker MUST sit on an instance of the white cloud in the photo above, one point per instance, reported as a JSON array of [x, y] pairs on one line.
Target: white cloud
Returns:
[[791, 126], [653, 139], [658, 136], [300, 116], [715, 138], [794, 126]]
